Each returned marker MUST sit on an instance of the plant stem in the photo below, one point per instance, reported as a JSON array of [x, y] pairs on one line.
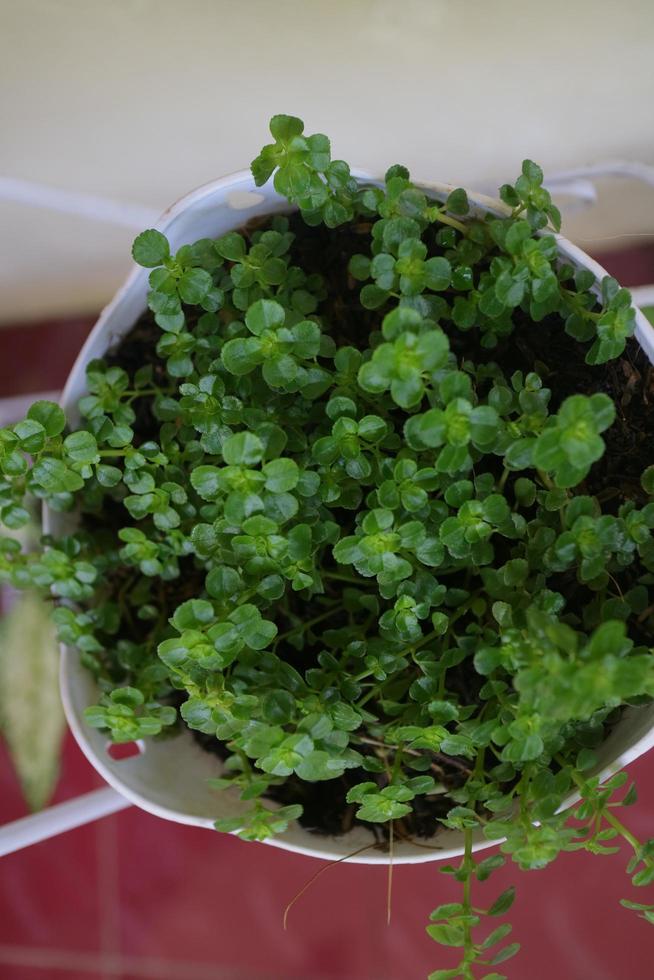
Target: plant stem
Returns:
[[545, 480], [143, 392], [344, 578], [573, 299], [371, 693], [446, 219], [503, 478], [617, 824], [302, 628], [397, 763], [468, 949], [628, 836], [419, 643]]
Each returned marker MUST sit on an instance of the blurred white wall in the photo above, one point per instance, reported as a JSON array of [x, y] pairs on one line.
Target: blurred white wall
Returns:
[[141, 100]]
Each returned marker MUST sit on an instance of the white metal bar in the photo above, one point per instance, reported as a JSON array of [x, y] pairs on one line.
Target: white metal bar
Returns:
[[577, 183], [85, 205], [60, 818], [582, 192], [627, 169], [13, 409]]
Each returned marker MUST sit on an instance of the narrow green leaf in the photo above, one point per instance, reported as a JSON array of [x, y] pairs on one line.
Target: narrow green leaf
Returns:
[[31, 714]]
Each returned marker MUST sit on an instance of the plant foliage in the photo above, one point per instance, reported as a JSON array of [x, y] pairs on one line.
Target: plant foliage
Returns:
[[362, 523]]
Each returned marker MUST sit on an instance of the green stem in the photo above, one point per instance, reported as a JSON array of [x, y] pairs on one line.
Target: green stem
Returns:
[[628, 836], [142, 392], [617, 824], [545, 479], [245, 762], [371, 693], [312, 622], [457, 615], [573, 299], [468, 948], [419, 643], [337, 577], [503, 478], [397, 763], [446, 219]]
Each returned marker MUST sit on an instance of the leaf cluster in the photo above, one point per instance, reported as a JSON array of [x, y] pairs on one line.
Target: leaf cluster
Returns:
[[368, 555]]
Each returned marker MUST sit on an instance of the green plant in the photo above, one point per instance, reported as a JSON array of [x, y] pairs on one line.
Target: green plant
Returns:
[[393, 560]]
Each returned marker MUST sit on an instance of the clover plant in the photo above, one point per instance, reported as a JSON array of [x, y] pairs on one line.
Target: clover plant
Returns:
[[360, 543]]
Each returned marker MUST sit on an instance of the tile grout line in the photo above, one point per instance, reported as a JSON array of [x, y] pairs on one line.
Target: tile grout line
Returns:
[[148, 968], [107, 858]]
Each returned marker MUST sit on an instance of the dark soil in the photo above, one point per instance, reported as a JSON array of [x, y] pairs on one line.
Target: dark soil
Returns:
[[543, 347]]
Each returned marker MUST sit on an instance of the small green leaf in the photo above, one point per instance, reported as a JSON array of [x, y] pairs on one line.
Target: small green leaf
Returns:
[[49, 415], [358, 793], [265, 314], [231, 246], [31, 435], [503, 902], [447, 935], [206, 481], [150, 248], [223, 582], [284, 128], [647, 480], [243, 449], [505, 954], [193, 614], [194, 284], [55, 477], [281, 475], [497, 935], [81, 447]]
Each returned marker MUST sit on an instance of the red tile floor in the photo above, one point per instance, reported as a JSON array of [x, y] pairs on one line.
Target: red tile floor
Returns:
[[136, 897]]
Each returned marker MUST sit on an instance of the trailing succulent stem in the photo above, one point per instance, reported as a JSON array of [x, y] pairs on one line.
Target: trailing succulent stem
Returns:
[[456, 923], [329, 525]]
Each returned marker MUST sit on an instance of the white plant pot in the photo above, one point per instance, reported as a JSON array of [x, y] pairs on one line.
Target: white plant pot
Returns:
[[169, 777]]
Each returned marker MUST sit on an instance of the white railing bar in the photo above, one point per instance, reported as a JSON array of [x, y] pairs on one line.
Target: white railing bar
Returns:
[[60, 818], [13, 409], [84, 205]]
